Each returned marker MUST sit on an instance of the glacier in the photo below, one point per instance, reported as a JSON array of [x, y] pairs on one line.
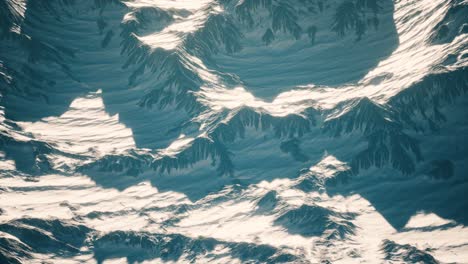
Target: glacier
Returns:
[[233, 131]]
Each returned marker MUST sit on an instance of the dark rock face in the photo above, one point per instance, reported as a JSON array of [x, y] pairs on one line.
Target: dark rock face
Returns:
[[406, 253], [453, 24], [268, 202], [32, 235], [314, 220], [145, 246]]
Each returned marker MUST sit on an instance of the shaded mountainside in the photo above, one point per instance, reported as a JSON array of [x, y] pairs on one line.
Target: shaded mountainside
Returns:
[[36, 236], [406, 253]]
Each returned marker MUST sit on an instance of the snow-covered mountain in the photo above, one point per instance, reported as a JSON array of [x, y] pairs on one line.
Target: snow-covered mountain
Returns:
[[233, 131]]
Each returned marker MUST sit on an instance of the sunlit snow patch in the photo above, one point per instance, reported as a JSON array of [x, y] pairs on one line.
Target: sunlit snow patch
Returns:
[[173, 35], [84, 127], [170, 4], [427, 220], [177, 145]]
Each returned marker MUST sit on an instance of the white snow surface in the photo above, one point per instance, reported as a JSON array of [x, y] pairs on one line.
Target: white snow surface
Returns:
[[105, 123]]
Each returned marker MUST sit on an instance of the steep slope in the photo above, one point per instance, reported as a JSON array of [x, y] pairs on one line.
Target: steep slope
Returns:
[[226, 131]]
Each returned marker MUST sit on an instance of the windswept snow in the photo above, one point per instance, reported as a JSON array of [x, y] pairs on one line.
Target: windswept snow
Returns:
[[233, 131]]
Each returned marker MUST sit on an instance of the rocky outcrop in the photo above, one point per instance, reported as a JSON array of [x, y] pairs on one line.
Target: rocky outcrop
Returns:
[[314, 220], [406, 253]]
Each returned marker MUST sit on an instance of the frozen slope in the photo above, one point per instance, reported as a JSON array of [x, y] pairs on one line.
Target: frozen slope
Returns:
[[233, 131]]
